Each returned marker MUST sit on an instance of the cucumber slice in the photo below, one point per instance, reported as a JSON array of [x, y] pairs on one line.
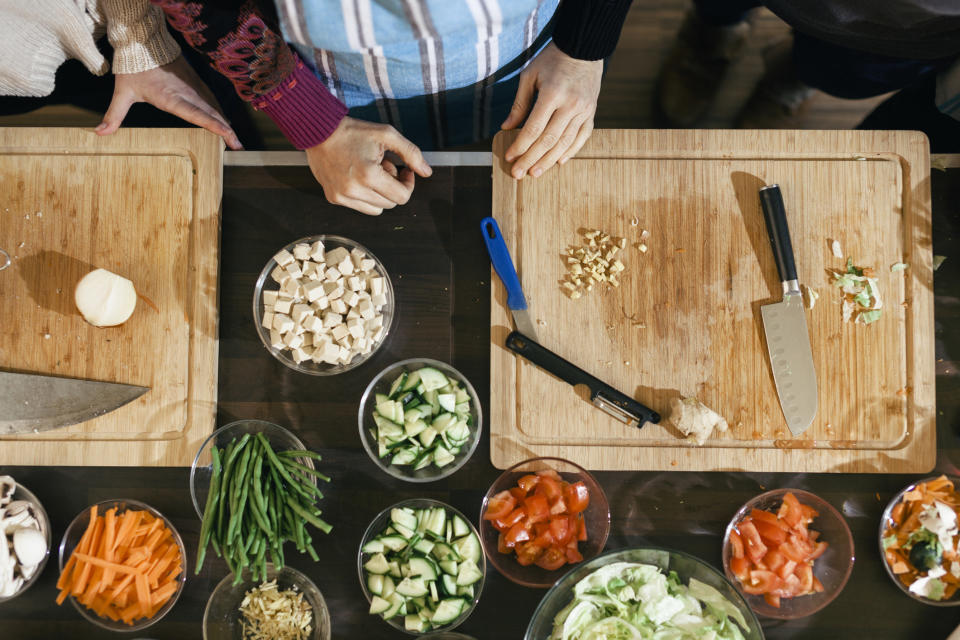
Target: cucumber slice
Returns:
[[424, 461], [447, 611], [379, 605], [375, 584], [395, 569], [449, 566], [438, 521], [412, 587], [415, 428], [442, 456], [397, 603], [406, 517], [379, 397], [427, 436], [394, 543], [430, 397], [377, 564], [403, 531], [413, 622], [466, 591], [469, 548], [398, 384], [449, 583], [389, 586], [462, 396], [374, 546], [420, 567], [460, 528], [442, 551], [469, 573], [432, 378], [433, 591], [404, 456], [448, 401], [424, 547], [413, 381], [442, 422]]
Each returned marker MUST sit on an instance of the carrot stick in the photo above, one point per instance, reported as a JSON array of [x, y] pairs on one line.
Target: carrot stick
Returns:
[[119, 568]]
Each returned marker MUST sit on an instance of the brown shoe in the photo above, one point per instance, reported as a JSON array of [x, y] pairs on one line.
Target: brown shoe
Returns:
[[693, 71], [780, 100]]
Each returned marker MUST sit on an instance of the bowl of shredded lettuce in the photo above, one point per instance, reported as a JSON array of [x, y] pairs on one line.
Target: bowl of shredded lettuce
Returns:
[[643, 593]]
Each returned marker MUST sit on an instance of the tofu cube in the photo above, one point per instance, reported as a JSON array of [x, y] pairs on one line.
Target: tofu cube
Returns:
[[301, 251], [267, 322], [301, 355], [279, 275], [338, 305], [345, 266], [330, 353], [340, 332], [300, 312], [293, 269], [332, 274], [313, 290], [307, 339], [357, 255], [283, 323], [270, 297], [313, 323], [316, 252], [283, 305], [332, 319], [374, 323], [377, 335], [330, 287], [292, 340], [367, 265], [353, 314], [354, 283], [345, 355], [355, 326], [377, 286], [351, 298], [320, 303], [276, 339], [379, 300], [336, 256], [308, 268], [360, 343], [283, 258], [290, 287], [366, 309]]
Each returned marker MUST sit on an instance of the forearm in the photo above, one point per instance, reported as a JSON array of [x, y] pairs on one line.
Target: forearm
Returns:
[[138, 35], [589, 29]]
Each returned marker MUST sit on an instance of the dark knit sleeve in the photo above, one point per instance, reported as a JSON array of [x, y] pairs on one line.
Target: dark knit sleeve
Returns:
[[242, 41], [589, 29]]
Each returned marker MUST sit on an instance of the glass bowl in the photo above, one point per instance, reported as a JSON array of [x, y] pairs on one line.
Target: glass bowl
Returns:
[[202, 469], [379, 524], [596, 516], [310, 367], [71, 538], [22, 493], [381, 384], [887, 518], [832, 569], [686, 566], [222, 618]]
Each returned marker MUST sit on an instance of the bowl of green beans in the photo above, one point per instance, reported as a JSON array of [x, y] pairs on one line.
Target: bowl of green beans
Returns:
[[255, 487]]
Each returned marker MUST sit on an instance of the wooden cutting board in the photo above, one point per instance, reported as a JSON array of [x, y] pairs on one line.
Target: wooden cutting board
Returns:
[[686, 317], [144, 203]]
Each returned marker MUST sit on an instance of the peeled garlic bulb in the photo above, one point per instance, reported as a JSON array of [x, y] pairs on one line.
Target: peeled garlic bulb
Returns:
[[104, 298]]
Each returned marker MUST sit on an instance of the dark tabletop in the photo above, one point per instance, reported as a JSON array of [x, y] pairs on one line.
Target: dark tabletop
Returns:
[[441, 273]]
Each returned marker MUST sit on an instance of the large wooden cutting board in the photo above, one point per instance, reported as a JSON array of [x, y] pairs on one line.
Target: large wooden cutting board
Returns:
[[697, 293], [144, 203]]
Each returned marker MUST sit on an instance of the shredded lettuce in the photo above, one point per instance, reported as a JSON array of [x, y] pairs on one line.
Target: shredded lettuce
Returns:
[[633, 601]]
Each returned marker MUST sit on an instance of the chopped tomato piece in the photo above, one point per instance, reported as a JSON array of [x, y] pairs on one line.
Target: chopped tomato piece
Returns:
[[761, 582], [790, 510], [773, 560], [772, 599], [573, 554], [558, 506], [791, 552], [536, 508], [527, 553], [502, 544], [499, 506], [817, 585], [740, 568], [581, 529], [770, 534], [518, 493], [786, 569], [809, 513], [550, 473], [511, 519], [528, 482], [560, 530], [736, 544], [751, 541], [577, 496], [517, 533], [804, 573], [759, 516], [552, 559], [818, 550], [550, 488]]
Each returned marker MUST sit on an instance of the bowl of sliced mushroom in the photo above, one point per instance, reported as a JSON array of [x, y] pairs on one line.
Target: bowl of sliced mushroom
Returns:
[[25, 543]]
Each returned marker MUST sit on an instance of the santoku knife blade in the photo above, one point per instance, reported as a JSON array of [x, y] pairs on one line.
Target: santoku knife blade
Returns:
[[785, 324], [34, 402]]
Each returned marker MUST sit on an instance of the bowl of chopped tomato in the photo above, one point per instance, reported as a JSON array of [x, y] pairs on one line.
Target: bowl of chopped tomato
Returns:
[[540, 517], [919, 541], [789, 552]]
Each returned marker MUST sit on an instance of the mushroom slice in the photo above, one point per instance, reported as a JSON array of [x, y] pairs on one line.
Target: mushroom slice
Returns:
[[8, 487]]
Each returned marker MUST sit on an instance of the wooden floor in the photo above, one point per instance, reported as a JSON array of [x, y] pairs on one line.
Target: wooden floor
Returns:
[[626, 99]]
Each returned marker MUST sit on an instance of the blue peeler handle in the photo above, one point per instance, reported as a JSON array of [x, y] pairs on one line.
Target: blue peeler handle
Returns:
[[502, 263]]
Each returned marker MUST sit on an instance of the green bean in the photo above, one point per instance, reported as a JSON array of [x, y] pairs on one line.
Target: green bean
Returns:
[[225, 483], [212, 497], [309, 517], [299, 453], [305, 469]]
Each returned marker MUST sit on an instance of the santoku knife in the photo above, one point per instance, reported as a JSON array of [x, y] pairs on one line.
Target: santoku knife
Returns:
[[34, 403], [785, 324], [503, 265]]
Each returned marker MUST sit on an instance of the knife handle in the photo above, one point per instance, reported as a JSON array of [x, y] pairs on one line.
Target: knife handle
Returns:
[[775, 216], [502, 263], [574, 375]]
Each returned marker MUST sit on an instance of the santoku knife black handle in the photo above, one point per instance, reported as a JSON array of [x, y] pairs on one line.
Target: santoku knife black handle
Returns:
[[574, 375], [775, 215]]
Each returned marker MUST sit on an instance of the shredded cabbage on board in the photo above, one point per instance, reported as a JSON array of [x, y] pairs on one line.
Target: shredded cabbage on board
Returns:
[[632, 601], [861, 293]]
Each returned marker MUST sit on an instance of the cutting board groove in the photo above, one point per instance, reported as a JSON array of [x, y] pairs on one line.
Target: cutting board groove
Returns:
[[698, 291]]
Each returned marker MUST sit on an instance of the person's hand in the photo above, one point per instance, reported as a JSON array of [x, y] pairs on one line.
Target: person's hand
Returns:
[[352, 167], [175, 88], [562, 117]]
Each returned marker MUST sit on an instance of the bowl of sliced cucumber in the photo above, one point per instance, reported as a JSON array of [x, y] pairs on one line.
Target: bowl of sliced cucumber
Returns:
[[420, 420], [421, 566]]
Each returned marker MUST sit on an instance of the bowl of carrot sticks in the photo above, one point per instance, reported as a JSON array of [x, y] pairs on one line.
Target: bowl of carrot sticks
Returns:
[[919, 538], [122, 565]]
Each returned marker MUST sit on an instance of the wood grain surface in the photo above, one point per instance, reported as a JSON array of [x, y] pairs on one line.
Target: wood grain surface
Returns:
[[143, 204], [686, 318], [443, 299]]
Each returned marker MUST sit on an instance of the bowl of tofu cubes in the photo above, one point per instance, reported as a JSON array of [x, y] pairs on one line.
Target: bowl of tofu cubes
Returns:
[[323, 305], [421, 566], [420, 420]]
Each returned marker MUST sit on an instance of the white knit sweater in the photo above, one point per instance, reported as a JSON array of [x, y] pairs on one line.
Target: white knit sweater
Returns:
[[37, 36]]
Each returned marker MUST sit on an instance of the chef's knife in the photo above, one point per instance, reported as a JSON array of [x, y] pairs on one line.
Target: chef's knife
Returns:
[[619, 405], [34, 403], [503, 265], [785, 324]]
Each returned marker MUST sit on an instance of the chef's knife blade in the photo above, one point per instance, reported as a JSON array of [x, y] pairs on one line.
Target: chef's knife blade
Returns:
[[34, 403], [617, 404], [503, 265], [785, 324]]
